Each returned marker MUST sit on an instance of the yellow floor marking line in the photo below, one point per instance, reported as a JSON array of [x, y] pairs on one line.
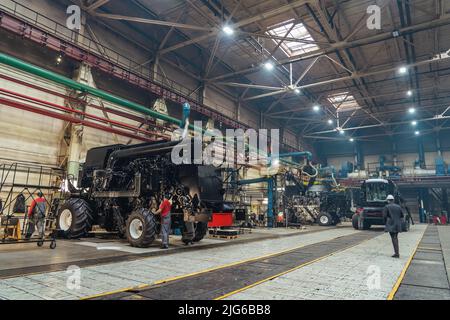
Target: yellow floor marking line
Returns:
[[107, 293], [405, 268], [288, 271], [142, 286]]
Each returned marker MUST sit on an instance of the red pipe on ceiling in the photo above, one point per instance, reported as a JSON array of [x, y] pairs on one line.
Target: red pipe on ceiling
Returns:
[[81, 113], [76, 100], [56, 115]]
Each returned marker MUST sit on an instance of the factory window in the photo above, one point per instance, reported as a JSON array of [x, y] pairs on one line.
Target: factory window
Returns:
[[298, 31], [343, 101]]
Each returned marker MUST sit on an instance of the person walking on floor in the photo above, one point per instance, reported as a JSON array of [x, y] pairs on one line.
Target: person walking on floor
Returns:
[[36, 216], [164, 211], [393, 216]]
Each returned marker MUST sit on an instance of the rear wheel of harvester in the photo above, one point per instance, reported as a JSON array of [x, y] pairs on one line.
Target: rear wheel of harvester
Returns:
[[74, 219], [200, 231], [141, 228], [325, 219]]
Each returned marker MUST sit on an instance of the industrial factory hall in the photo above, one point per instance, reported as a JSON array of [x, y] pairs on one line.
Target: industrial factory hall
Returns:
[[230, 157]]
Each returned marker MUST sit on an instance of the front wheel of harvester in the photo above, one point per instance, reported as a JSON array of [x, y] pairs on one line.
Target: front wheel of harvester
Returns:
[[325, 219], [200, 231], [141, 228], [74, 219]]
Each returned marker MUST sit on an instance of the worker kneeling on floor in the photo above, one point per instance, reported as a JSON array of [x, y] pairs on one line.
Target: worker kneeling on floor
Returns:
[[36, 216]]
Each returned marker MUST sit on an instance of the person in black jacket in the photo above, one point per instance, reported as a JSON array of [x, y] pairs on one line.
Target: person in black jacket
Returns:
[[393, 215]]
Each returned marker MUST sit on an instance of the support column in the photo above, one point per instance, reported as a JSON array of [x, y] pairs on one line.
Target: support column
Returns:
[[421, 152], [238, 110], [202, 93], [75, 131], [359, 156], [161, 107], [394, 153], [270, 201], [438, 144], [154, 69]]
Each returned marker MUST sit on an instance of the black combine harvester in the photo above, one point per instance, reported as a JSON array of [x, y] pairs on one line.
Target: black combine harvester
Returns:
[[120, 186]]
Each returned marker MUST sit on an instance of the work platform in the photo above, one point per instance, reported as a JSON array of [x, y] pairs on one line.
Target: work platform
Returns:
[[407, 181]]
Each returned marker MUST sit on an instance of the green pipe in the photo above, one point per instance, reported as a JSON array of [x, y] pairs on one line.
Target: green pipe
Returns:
[[49, 75]]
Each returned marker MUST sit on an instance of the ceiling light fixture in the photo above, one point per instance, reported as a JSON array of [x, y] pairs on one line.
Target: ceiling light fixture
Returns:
[[269, 66], [402, 70], [417, 133], [316, 107], [414, 123], [412, 110], [330, 121], [228, 30], [409, 93]]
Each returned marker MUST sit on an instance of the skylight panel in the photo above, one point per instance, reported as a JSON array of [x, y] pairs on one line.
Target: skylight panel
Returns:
[[297, 31], [343, 101]]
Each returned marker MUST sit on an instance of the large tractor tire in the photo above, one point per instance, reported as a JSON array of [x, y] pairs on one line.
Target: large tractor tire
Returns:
[[200, 231], [74, 219], [141, 228], [325, 219]]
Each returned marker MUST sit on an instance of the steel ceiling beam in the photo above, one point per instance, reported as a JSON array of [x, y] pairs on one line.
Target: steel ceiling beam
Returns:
[[96, 5], [442, 21], [251, 86], [354, 75], [152, 21], [435, 118], [242, 23], [376, 135]]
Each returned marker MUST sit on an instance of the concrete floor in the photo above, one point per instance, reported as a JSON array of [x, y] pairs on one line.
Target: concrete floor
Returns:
[[91, 267], [23, 259], [427, 276], [365, 271]]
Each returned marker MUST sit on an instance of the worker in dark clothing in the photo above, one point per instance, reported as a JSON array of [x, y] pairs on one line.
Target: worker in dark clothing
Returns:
[[36, 216], [164, 211], [393, 216]]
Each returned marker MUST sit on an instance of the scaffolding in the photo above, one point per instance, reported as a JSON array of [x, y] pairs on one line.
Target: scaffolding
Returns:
[[26, 179]]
